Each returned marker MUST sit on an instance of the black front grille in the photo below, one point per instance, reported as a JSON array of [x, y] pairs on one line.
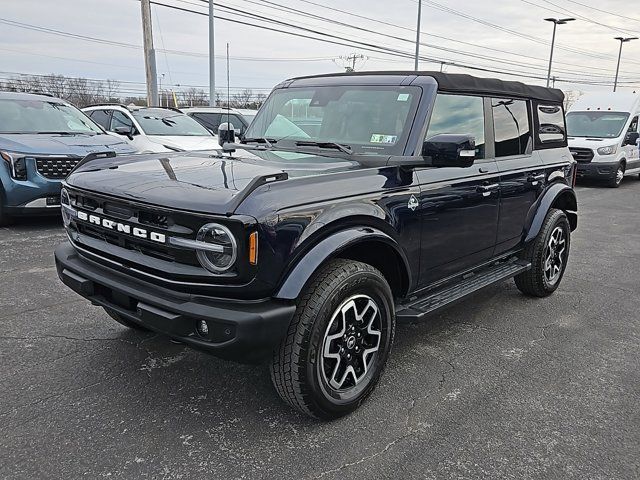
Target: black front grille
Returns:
[[582, 155], [56, 167]]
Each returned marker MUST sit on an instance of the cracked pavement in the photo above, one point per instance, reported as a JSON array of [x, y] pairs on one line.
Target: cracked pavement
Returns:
[[498, 386]]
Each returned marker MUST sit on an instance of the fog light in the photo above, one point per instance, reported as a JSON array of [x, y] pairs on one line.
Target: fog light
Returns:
[[203, 328]]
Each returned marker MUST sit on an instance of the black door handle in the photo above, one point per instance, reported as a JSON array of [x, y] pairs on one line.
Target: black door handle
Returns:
[[483, 170], [536, 178]]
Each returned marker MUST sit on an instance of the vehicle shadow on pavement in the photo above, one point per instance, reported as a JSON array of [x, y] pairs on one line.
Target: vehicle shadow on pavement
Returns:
[[198, 390]]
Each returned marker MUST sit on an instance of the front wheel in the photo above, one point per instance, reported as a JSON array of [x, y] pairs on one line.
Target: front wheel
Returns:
[[338, 342], [616, 180], [548, 255]]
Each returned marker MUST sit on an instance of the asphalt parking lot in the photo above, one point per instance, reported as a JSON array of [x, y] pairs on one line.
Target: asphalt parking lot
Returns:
[[500, 386]]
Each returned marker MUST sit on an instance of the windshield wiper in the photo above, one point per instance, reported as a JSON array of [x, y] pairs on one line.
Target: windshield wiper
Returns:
[[267, 141], [337, 146], [60, 133]]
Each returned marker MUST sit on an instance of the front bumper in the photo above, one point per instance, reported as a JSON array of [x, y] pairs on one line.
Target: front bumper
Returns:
[[241, 331], [35, 196], [597, 169]]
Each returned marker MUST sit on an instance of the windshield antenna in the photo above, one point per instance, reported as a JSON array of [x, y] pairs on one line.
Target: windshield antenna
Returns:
[[229, 94]]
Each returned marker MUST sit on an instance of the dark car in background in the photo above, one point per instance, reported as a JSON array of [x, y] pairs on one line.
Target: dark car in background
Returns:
[[41, 140]]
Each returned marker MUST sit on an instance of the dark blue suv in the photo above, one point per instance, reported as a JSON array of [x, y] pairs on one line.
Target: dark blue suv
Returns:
[[41, 140], [352, 202]]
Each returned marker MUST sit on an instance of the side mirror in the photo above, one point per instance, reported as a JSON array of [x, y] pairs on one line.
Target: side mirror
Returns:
[[631, 138], [125, 131], [226, 134], [448, 150]]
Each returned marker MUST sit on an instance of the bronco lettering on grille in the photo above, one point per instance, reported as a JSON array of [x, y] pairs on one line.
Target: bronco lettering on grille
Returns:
[[121, 227]]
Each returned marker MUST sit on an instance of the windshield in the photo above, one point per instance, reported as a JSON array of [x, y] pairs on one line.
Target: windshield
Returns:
[[596, 124], [41, 116], [368, 119], [168, 122]]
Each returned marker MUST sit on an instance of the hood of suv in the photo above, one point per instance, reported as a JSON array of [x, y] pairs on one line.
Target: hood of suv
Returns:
[[63, 144], [186, 142], [205, 182]]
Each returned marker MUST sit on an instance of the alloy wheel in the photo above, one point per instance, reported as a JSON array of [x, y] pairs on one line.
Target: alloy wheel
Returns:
[[555, 255], [351, 342]]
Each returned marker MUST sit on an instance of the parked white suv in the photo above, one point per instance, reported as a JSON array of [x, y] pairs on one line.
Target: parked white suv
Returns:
[[153, 129]]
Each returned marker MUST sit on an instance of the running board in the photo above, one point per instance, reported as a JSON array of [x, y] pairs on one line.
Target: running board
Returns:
[[417, 309]]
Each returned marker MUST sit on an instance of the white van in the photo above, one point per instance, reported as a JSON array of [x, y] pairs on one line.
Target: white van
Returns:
[[603, 136]]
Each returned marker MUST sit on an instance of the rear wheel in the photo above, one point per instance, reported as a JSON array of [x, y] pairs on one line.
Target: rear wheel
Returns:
[[123, 321], [338, 341], [616, 180], [548, 255]]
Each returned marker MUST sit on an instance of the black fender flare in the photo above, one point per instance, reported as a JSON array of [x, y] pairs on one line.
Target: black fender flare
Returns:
[[296, 278], [558, 195]]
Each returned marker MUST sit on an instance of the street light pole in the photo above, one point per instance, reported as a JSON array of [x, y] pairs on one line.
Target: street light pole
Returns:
[[418, 35], [556, 22], [622, 40], [212, 59]]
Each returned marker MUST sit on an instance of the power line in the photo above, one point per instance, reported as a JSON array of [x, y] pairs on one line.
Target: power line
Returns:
[[430, 45]]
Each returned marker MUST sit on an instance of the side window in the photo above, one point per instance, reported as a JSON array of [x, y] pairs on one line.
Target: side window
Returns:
[[551, 125], [101, 117], [458, 114], [633, 126], [512, 127], [209, 120], [119, 119]]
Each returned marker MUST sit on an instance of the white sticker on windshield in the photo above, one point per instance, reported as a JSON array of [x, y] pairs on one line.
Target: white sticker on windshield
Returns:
[[378, 138], [403, 97]]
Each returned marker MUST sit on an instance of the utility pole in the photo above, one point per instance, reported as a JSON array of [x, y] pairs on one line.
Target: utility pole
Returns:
[[622, 40], [352, 59], [556, 22], [418, 35], [212, 58], [149, 54]]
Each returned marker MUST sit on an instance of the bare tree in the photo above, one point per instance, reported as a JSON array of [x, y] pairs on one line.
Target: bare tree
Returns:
[[194, 97], [55, 85], [242, 99], [570, 97], [111, 89]]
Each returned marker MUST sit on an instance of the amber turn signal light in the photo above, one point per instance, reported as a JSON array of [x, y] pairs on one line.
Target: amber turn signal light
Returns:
[[253, 248]]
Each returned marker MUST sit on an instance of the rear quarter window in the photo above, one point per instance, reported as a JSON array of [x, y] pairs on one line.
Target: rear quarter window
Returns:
[[551, 130]]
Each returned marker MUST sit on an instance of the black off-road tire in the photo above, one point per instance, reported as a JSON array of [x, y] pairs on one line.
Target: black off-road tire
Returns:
[[616, 180], [297, 375], [533, 282], [123, 321]]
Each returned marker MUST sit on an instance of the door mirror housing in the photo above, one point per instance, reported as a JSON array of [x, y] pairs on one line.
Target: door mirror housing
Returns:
[[125, 131], [449, 150], [631, 138], [226, 134]]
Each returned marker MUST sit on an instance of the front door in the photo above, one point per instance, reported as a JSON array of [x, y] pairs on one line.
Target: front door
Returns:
[[458, 206]]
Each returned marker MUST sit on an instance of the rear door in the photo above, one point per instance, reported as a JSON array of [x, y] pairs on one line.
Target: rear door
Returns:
[[522, 172], [458, 206]]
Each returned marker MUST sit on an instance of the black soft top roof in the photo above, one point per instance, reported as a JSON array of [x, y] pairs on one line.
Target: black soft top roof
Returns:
[[462, 83]]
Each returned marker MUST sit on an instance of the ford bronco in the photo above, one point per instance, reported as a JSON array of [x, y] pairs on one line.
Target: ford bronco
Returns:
[[352, 202]]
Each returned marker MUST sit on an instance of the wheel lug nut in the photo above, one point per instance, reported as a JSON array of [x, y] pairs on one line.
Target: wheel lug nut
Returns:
[[359, 334], [348, 356]]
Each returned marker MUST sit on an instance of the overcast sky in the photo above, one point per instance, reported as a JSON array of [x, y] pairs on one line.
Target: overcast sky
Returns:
[[592, 59]]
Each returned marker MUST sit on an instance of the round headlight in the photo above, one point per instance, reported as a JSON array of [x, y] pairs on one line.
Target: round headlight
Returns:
[[224, 251], [67, 211]]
